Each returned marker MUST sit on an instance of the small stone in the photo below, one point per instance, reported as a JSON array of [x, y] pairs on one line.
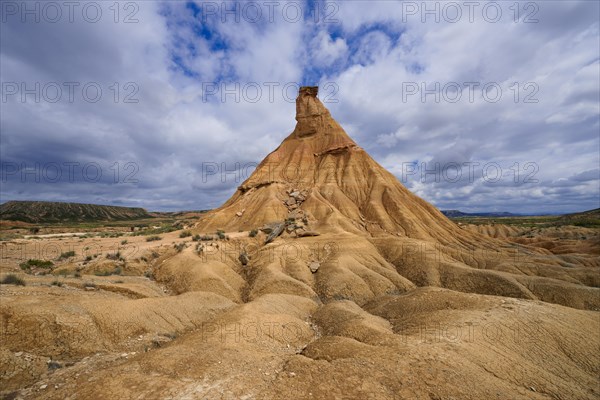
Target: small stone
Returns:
[[244, 259], [532, 389], [239, 213], [43, 387], [314, 266], [124, 355], [89, 288], [292, 374], [308, 233], [19, 354], [294, 214]]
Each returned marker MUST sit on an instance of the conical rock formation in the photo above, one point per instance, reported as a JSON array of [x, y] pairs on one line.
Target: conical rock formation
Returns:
[[320, 188]]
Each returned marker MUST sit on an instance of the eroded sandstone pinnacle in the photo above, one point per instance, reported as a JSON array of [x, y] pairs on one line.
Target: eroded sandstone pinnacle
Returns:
[[309, 111]]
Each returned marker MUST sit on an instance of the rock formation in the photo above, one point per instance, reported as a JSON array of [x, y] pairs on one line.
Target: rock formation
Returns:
[[320, 187]]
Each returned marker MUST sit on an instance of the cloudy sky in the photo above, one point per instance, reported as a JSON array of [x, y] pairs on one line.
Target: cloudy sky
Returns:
[[477, 106]]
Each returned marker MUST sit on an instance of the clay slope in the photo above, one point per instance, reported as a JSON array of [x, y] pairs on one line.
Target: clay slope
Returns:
[[347, 191]]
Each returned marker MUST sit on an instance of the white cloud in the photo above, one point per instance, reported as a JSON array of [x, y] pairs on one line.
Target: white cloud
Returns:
[[372, 54], [325, 51]]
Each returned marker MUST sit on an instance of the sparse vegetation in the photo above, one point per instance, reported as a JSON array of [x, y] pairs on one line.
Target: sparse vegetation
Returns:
[[117, 271], [179, 246], [253, 233], [124, 241], [221, 234], [153, 238], [33, 263], [66, 254], [57, 283], [52, 365], [12, 279], [185, 234], [63, 273], [114, 256]]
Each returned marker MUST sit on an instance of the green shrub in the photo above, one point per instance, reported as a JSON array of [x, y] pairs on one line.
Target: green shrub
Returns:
[[253, 233], [12, 279], [124, 241], [57, 283], [179, 247], [66, 254], [185, 234], [221, 234], [36, 263], [114, 256], [153, 238]]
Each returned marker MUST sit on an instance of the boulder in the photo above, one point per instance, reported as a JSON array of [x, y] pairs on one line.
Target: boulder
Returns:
[[268, 228], [244, 259], [277, 230], [314, 266]]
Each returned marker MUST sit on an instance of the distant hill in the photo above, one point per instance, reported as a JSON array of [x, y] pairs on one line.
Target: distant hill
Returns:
[[589, 218], [45, 211], [458, 214]]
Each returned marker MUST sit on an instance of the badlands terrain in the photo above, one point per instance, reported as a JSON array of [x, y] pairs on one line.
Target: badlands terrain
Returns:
[[322, 277]]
